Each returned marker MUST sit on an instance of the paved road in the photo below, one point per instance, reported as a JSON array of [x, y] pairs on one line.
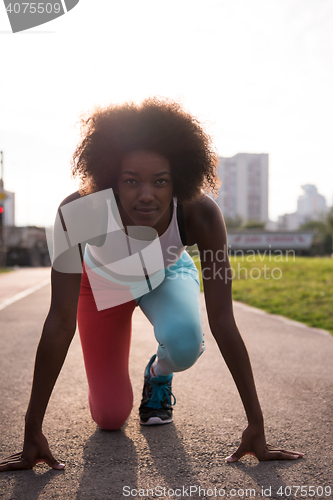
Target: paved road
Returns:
[[294, 373]]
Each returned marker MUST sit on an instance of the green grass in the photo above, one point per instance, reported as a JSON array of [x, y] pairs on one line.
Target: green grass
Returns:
[[300, 288], [5, 269]]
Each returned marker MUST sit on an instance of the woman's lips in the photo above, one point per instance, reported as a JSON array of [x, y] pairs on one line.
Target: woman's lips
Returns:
[[146, 211]]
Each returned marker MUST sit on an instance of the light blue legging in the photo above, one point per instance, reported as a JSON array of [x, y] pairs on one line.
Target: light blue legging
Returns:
[[174, 310]]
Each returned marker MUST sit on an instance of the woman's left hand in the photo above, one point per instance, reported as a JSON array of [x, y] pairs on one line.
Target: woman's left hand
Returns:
[[254, 443]]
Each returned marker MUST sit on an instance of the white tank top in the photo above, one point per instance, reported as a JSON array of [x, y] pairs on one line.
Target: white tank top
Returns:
[[124, 254]]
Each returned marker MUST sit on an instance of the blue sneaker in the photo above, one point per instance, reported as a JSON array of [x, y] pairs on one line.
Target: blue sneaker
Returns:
[[156, 407]]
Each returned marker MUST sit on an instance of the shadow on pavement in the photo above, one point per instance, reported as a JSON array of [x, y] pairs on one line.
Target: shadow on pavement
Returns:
[[168, 455], [31, 483], [267, 476], [109, 462]]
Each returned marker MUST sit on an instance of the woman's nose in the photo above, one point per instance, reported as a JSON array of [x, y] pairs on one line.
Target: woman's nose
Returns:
[[146, 194]]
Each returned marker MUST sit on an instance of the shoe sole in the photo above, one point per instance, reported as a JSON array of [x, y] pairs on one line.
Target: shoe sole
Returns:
[[156, 421]]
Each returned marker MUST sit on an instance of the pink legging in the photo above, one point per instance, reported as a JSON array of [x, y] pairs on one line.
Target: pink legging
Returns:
[[173, 309]]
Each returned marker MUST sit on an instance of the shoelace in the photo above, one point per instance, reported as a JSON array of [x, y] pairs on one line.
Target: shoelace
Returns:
[[159, 393]]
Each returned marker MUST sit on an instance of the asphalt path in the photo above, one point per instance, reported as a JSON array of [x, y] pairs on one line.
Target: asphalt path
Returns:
[[294, 374]]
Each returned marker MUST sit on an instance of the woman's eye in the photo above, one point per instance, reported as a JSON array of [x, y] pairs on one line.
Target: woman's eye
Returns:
[[161, 182], [130, 181]]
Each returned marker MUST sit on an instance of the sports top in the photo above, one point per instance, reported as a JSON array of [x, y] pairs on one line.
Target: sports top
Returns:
[[119, 246], [128, 265]]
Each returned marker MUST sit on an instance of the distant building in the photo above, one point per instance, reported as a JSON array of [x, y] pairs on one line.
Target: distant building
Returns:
[[271, 225], [290, 222], [310, 206], [244, 190]]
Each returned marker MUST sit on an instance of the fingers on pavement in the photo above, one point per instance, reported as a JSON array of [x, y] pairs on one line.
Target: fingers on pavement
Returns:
[[17, 462], [271, 454]]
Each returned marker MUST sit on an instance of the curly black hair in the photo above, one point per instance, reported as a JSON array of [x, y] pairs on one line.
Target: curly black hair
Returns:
[[157, 125]]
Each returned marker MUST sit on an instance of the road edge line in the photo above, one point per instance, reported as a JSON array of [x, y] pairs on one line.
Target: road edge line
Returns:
[[24, 293]]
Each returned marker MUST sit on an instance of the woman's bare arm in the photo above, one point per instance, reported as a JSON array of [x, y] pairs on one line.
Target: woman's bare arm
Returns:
[[205, 226], [57, 334], [58, 331]]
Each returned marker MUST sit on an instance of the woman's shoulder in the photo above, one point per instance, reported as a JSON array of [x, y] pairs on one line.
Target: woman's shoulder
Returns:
[[201, 211], [72, 197], [200, 215]]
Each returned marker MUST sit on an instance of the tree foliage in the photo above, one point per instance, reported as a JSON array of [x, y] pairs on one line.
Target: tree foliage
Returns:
[[254, 224], [234, 223], [323, 229]]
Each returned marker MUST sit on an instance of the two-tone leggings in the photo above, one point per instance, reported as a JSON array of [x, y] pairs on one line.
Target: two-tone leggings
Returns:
[[173, 308]]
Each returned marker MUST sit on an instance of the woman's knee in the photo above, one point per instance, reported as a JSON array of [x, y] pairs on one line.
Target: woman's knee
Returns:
[[111, 408], [183, 345], [111, 422], [111, 419]]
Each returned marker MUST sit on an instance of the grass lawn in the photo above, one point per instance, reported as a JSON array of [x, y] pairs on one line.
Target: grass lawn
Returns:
[[300, 288], [5, 269]]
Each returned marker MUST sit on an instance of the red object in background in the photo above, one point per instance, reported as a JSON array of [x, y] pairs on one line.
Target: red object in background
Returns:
[[1, 210]]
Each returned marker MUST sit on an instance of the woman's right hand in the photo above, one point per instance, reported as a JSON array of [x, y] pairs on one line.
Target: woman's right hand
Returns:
[[35, 450]]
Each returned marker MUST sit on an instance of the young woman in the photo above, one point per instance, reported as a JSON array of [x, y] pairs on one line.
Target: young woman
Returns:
[[151, 164]]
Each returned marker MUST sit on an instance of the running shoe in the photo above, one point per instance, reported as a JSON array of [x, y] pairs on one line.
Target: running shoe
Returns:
[[156, 407]]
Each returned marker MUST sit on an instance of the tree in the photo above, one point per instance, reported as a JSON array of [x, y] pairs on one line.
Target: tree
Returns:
[[254, 224], [233, 222], [323, 238]]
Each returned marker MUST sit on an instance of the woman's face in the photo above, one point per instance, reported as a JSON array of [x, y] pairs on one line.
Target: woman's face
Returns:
[[145, 190]]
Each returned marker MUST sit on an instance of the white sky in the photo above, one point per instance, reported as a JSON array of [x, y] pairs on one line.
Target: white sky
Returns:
[[258, 73]]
